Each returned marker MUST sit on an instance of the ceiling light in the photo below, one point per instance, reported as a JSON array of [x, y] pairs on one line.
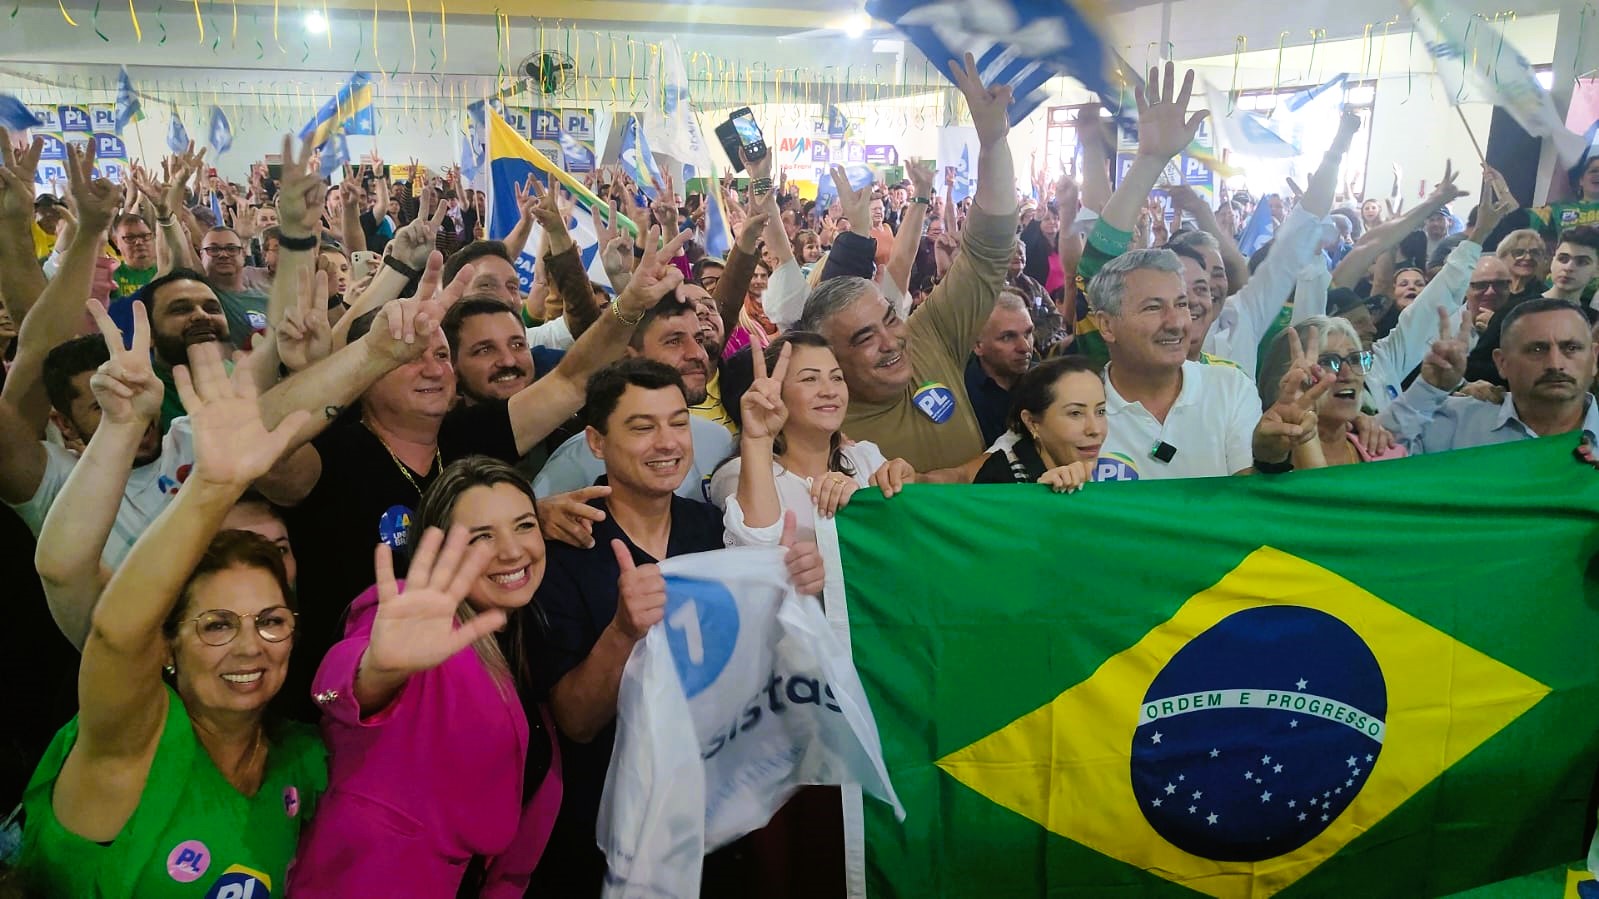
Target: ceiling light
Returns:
[[857, 24], [315, 22]]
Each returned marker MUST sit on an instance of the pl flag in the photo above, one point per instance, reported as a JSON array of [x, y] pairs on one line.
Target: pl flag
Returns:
[[177, 135], [349, 110], [1479, 64], [128, 108], [638, 161], [221, 132], [1022, 43], [1283, 706], [741, 696], [16, 116], [669, 122]]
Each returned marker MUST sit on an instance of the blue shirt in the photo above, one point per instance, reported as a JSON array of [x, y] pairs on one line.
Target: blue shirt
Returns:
[[990, 402], [1428, 420]]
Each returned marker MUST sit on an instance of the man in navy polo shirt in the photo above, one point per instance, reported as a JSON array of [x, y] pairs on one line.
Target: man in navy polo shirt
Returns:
[[598, 602]]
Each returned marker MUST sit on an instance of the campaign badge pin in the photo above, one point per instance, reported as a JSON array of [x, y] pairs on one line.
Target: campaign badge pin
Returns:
[[936, 401], [188, 861], [239, 882], [291, 801], [394, 527]]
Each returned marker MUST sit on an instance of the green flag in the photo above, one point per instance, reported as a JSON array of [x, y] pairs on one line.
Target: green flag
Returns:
[[1376, 680]]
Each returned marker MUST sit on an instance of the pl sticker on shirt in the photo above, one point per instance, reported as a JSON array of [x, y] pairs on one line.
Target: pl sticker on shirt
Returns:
[[1115, 467], [239, 882], [394, 527], [936, 401], [188, 861]]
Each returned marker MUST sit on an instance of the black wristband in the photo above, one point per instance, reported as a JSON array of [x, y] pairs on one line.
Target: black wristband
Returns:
[[300, 244], [1282, 467], [410, 273]]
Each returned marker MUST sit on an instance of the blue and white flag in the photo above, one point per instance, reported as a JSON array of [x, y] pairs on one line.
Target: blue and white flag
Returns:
[[638, 161], [718, 238], [826, 194], [739, 697], [1260, 228], [837, 124], [16, 116], [576, 154], [1022, 43], [349, 110], [216, 210], [177, 135], [472, 157], [670, 124], [335, 153], [1245, 132], [128, 108], [1477, 64], [221, 136]]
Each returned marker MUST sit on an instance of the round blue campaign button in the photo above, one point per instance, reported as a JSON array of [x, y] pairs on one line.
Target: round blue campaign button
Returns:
[[394, 527], [936, 401]]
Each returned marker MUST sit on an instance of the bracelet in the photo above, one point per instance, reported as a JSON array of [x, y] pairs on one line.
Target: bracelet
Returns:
[[921, 201], [410, 273], [761, 186], [299, 244], [167, 222], [1282, 467], [616, 310]]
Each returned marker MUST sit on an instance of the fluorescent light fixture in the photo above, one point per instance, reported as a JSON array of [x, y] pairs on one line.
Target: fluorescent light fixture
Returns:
[[315, 22]]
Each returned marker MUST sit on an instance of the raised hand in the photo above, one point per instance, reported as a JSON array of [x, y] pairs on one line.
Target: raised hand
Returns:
[[1446, 191], [640, 595], [304, 336], [1292, 419], [920, 172], [990, 107], [301, 192], [232, 447], [1498, 202], [749, 234], [126, 386], [96, 200], [1444, 366], [546, 209], [654, 277], [413, 243], [1164, 126], [1067, 194], [857, 204], [416, 630], [16, 178], [764, 412]]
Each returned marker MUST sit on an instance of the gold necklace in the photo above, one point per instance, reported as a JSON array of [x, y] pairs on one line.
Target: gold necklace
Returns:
[[438, 459]]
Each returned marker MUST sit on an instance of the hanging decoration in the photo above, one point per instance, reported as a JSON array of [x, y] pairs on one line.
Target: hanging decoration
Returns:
[[138, 32], [68, 17]]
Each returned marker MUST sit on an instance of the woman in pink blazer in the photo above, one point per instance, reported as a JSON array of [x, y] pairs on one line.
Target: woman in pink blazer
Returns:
[[434, 789]]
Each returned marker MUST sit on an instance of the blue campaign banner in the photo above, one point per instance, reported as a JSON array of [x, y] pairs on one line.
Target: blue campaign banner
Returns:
[[49, 115], [109, 146], [544, 124], [102, 117], [54, 147], [579, 123], [75, 119], [518, 117]]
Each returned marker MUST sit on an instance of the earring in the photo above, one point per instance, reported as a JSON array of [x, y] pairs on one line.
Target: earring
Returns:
[[170, 670]]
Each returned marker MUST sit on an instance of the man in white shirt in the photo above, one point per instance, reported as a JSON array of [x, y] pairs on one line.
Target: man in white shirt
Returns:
[[1169, 417]]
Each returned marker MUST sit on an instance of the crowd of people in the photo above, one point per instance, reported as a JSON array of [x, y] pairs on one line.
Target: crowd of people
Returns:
[[350, 539]]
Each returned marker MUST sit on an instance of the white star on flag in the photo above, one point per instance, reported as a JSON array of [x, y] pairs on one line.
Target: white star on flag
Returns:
[[1265, 796], [1302, 683], [1212, 818]]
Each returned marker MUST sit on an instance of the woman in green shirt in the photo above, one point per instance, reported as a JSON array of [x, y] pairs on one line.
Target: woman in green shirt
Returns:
[[178, 787]]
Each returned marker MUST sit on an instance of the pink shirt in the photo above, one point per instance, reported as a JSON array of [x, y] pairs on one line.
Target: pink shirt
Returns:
[[417, 790]]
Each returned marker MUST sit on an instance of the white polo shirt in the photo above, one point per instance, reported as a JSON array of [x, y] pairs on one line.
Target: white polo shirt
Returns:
[[1211, 427]]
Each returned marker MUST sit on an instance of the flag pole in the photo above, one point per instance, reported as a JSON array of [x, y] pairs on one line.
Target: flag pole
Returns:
[[1480, 156], [139, 133]]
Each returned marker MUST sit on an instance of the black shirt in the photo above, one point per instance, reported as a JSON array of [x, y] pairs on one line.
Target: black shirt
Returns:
[[577, 599], [990, 402], [361, 495]]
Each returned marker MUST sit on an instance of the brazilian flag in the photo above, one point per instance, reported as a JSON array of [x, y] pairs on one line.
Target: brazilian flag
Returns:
[[1375, 680]]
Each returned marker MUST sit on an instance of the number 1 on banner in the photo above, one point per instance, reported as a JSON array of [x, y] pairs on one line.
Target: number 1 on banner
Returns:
[[687, 620]]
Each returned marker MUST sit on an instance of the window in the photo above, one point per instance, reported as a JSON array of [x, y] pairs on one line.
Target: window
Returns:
[[1061, 145]]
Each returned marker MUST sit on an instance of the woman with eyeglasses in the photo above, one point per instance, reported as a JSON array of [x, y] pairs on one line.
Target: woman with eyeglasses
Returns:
[[182, 786], [1528, 258], [1342, 355], [437, 784]]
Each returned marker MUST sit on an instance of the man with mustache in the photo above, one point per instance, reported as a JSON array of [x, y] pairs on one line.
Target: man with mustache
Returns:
[[489, 349], [1546, 356], [183, 310], [670, 335]]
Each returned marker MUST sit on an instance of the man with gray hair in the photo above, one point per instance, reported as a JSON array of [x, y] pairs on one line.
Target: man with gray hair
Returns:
[[1169, 417], [906, 378]]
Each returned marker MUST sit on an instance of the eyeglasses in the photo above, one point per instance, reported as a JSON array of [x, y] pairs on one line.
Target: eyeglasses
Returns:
[[1334, 362], [1526, 253], [1499, 284], [218, 627], [146, 237], [231, 250]]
